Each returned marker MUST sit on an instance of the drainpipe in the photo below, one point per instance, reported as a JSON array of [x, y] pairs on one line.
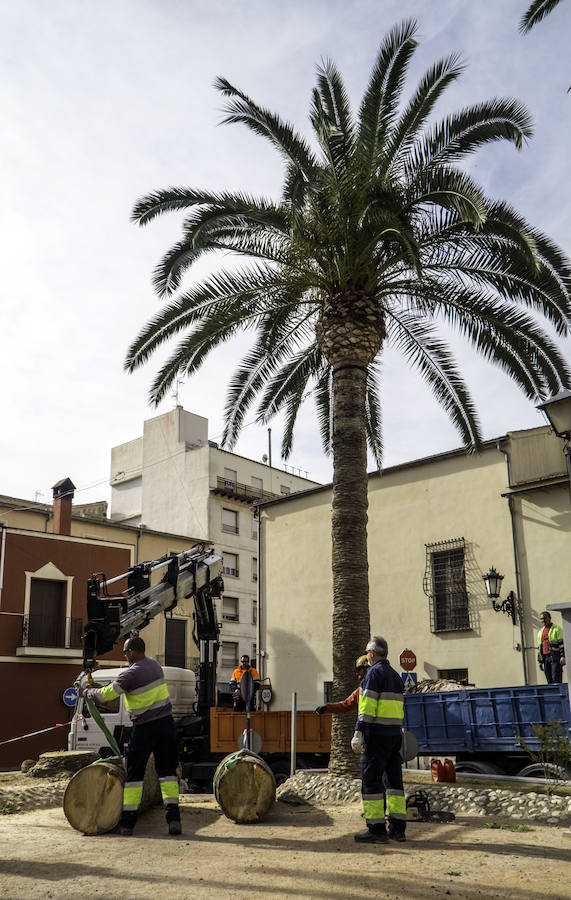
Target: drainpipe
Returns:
[[261, 654], [516, 567], [2, 556]]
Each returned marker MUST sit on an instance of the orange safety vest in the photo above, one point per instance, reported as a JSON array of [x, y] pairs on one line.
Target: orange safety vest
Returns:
[[237, 674]]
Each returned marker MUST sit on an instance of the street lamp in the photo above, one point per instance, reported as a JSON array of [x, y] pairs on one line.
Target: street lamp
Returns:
[[558, 413], [493, 581]]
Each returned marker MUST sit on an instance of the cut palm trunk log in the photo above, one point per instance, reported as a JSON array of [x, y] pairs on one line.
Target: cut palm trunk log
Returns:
[[93, 799], [244, 786]]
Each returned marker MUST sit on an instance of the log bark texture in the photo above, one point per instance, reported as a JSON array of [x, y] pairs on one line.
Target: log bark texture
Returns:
[[245, 787], [93, 799]]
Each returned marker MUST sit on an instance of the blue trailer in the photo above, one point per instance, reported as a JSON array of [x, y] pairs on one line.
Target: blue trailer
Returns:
[[480, 726]]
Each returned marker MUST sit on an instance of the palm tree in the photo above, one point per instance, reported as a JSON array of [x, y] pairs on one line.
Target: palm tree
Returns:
[[377, 237], [537, 11]]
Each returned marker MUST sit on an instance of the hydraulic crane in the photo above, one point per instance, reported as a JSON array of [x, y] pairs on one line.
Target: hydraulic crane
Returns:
[[195, 573]]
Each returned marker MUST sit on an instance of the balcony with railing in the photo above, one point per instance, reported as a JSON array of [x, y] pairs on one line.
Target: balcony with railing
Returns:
[[225, 487], [50, 636]]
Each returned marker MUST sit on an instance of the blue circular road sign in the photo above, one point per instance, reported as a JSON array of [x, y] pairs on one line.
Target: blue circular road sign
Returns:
[[70, 696]]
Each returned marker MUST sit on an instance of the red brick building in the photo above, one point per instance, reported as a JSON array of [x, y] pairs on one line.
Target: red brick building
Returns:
[[42, 612]]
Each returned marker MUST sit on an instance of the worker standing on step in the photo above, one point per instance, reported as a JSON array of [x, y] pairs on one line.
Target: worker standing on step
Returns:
[[352, 701], [238, 702], [148, 703], [378, 739], [550, 649]]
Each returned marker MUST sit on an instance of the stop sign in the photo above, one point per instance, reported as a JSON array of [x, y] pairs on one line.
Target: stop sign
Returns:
[[407, 660]]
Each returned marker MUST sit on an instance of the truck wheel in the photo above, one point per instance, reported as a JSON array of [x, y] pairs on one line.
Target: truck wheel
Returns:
[[547, 770], [478, 767]]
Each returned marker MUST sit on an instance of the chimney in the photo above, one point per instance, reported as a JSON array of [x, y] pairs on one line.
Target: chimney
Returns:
[[63, 495]]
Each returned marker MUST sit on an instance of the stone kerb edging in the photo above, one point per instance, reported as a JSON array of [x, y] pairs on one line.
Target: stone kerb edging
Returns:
[[322, 790]]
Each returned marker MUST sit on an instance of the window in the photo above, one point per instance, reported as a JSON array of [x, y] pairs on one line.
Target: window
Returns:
[[460, 675], [230, 478], [230, 564], [230, 654], [257, 486], [328, 692], [229, 521], [254, 568], [284, 490], [175, 643], [254, 526], [254, 655], [230, 609], [254, 612], [46, 619], [445, 586]]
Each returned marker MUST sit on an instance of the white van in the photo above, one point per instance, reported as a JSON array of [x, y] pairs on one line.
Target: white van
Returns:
[[85, 734]]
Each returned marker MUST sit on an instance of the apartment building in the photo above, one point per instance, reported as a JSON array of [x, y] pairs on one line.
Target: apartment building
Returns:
[[174, 478]]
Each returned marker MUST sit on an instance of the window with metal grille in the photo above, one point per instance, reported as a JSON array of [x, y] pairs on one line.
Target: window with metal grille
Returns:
[[254, 568], [254, 526], [445, 586], [459, 675], [254, 612], [230, 564], [229, 521], [230, 654], [257, 486], [230, 478], [328, 692], [230, 609]]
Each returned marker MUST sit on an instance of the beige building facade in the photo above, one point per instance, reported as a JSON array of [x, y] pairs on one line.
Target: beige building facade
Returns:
[[173, 477], [436, 526]]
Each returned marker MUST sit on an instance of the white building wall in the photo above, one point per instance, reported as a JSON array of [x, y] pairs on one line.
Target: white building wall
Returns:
[[168, 480]]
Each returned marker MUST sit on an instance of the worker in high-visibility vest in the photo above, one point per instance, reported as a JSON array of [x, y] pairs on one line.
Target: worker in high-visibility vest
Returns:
[[550, 649], [237, 700], [378, 738], [352, 701], [148, 704]]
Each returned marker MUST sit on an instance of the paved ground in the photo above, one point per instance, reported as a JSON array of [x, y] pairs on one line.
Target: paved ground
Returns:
[[299, 852]]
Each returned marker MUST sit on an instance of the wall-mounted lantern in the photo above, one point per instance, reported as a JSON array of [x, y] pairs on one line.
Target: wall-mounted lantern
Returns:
[[493, 581]]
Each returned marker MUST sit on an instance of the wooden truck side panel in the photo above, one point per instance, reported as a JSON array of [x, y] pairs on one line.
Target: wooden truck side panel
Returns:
[[313, 731]]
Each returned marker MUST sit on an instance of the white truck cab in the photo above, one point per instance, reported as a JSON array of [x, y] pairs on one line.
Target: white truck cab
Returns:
[[85, 734]]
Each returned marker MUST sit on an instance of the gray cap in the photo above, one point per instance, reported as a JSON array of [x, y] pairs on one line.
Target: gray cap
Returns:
[[379, 645]]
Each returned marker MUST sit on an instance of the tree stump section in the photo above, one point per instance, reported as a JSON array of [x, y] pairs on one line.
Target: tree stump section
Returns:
[[244, 786], [61, 762], [93, 800]]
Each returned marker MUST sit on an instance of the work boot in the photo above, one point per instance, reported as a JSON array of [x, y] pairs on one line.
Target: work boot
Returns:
[[372, 837], [125, 831], [175, 827], [397, 836]]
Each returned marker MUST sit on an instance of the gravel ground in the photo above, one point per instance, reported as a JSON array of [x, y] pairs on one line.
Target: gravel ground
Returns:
[[295, 852]]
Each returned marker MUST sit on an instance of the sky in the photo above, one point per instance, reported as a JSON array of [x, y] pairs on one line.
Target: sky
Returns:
[[105, 100]]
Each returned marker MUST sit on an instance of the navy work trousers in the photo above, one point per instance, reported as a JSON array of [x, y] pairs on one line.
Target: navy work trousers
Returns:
[[381, 774], [552, 668], [157, 737]]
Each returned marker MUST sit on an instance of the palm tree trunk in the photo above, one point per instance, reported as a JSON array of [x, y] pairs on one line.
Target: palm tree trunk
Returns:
[[351, 622]]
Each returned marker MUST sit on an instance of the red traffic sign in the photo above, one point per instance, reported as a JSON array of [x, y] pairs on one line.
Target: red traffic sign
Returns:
[[407, 660]]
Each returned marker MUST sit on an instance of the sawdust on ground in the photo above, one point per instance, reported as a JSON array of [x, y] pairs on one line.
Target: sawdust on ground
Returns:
[[300, 852]]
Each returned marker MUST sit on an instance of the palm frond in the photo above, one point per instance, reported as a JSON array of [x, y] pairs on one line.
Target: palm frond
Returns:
[[431, 87], [535, 13], [241, 109], [380, 101]]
